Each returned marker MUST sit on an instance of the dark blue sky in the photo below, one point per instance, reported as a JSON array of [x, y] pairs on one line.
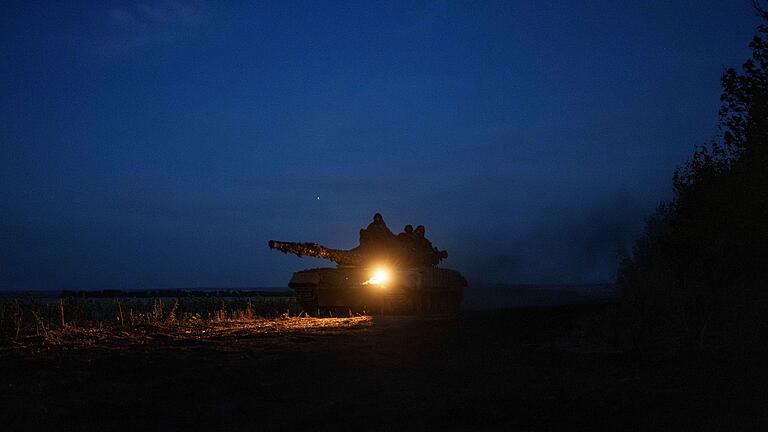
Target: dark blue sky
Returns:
[[161, 144]]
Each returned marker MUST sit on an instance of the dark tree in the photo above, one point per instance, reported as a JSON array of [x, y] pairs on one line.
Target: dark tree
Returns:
[[699, 274]]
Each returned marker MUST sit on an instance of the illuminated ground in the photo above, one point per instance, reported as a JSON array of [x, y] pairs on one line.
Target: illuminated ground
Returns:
[[224, 334], [527, 369]]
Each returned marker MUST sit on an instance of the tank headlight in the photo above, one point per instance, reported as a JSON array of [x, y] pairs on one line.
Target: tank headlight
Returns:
[[380, 277]]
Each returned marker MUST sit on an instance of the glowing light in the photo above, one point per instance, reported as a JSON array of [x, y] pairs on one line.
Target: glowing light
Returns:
[[380, 277]]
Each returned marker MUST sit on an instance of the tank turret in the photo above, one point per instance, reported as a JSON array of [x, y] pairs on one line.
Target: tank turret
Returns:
[[378, 245]]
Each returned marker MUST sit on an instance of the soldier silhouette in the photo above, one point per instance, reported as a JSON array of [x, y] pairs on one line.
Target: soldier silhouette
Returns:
[[429, 255], [377, 233], [420, 231]]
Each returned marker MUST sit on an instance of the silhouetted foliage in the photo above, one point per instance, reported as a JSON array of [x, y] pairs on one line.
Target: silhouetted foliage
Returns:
[[698, 275]]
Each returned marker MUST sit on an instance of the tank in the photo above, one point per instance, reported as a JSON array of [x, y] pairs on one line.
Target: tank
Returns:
[[385, 274]]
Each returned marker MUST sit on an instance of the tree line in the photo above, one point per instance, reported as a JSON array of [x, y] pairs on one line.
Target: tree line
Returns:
[[698, 276]]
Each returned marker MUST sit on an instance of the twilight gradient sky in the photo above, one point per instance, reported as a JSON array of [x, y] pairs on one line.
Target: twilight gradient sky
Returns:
[[161, 144]]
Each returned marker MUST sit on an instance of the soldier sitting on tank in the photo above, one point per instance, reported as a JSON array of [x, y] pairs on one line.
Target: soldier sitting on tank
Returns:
[[407, 234], [428, 254], [409, 248], [377, 233], [378, 244], [420, 231]]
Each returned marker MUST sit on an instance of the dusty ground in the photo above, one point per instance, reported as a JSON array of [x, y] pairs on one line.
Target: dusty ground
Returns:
[[525, 369]]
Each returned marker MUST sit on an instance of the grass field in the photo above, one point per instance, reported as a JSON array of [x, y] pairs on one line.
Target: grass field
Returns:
[[25, 318], [254, 363]]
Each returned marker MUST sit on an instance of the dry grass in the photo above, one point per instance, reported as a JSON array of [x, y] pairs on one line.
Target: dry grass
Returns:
[[179, 333], [28, 322]]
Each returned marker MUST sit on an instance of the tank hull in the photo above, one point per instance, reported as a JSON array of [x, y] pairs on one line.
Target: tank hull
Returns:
[[427, 291]]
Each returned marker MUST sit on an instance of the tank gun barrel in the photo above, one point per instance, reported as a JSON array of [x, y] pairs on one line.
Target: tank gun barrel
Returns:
[[341, 257]]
